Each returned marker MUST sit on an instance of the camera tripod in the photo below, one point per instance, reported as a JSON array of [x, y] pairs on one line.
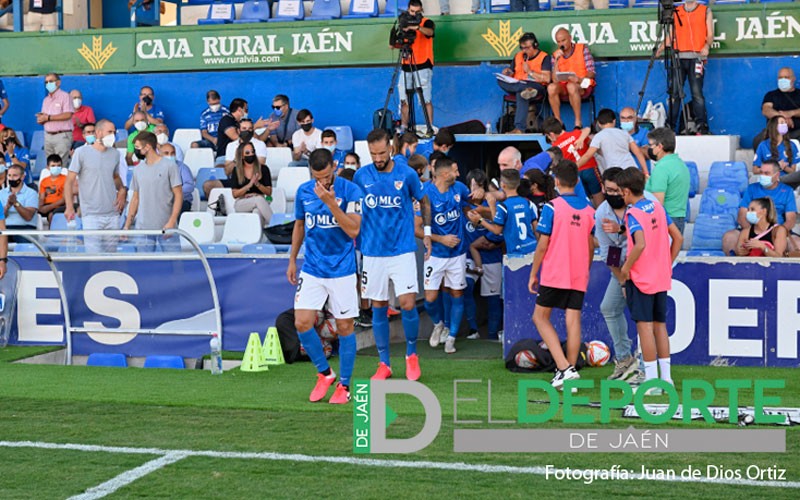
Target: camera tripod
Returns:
[[412, 86]]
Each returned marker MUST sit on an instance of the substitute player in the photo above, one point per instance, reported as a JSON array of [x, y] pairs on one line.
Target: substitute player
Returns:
[[327, 216], [388, 245], [564, 254], [448, 262]]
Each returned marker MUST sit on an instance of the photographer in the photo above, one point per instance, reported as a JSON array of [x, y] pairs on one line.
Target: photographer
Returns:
[[414, 34]]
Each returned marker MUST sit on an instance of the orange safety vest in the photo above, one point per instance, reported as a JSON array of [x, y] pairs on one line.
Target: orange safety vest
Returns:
[[690, 29], [521, 67], [574, 63], [422, 49]]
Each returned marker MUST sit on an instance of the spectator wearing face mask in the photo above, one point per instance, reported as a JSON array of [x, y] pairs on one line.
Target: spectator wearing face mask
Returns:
[[778, 147], [246, 134], [55, 117], [628, 122], [282, 124], [251, 182], [153, 115], [329, 142], [783, 101], [14, 153], [209, 120], [162, 137], [83, 114], [20, 202], [307, 139], [140, 125], [351, 162], [51, 189], [87, 136], [765, 237], [167, 151]]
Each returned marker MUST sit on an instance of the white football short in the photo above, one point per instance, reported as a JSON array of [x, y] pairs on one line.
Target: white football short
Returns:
[[401, 270], [451, 270], [341, 294], [492, 279]]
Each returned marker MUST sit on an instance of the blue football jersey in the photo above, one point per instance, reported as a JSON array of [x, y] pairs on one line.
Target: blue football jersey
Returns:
[[447, 216], [472, 233], [387, 227], [330, 252], [516, 214]]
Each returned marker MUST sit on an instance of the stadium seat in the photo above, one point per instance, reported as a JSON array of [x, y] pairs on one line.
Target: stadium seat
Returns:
[[720, 201], [37, 142], [213, 196], [564, 5], [219, 12], [324, 10], [544, 5], [207, 174], [649, 4], [731, 175], [241, 229], [280, 218], [290, 180], [215, 249], [360, 9], [197, 158], [344, 137], [254, 11], [39, 165], [25, 248], [121, 135], [278, 203], [709, 229], [199, 225], [196, 200], [705, 253], [694, 178], [618, 4], [38, 154], [126, 248], [694, 208], [59, 223], [111, 359], [184, 137], [174, 362], [259, 248], [496, 6], [393, 8], [278, 158], [289, 10], [362, 150], [688, 232]]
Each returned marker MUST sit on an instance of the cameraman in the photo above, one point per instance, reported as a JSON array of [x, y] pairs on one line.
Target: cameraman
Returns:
[[415, 32]]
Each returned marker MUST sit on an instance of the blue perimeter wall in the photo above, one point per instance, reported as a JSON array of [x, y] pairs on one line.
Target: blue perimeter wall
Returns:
[[734, 89]]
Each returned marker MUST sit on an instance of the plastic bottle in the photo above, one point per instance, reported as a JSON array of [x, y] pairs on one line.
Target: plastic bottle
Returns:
[[216, 355], [488, 127]]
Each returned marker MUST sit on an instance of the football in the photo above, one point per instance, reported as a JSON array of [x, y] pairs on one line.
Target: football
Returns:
[[598, 353], [526, 359]]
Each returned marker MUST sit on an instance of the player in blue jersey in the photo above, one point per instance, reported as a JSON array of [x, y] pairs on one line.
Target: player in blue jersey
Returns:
[[388, 245], [327, 216], [448, 262], [443, 142]]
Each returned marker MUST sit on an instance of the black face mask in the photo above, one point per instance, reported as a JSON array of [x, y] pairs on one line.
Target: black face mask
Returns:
[[250, 159], [651, 155], [139, 154], [246, 135], [147, 100], [14, 182], [615, 201], [307, 126]]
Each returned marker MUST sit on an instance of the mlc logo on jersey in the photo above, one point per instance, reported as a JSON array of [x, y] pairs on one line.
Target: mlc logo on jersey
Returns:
[[98, 56], [504, 43], [383, 201]]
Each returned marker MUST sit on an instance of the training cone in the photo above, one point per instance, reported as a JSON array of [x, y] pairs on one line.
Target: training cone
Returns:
[[271, 353], [252, 355]]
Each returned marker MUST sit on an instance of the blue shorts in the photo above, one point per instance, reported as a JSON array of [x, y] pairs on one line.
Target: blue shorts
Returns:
[[649, 308], [591, 180]]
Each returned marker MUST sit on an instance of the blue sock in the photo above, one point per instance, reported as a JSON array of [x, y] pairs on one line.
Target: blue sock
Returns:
[[313, 347], [380, 329], [495, 313], [434, 311], [456, 314], [347, 358], [411, 329], [446, 305], [470, 308]]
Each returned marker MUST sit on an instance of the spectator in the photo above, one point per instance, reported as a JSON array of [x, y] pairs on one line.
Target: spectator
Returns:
[[542, 161], [768, 186], [329, 142], [573, 76], [82, 114], [209, 121], [404, 147], [542, 188], [56, 118], [157, 195], [140, 125], [765, 237], [229, 127], [246, 134], [669, 180], [102, 192], [307, 139], [14, 153], [3, 170], [42, 16], [152, 113], [597, 4], [282, 124], [162, 137], [531, 68], [442, 142], [167, 151], [524, 6], [87, 136], [4, 104], [20, 202], [614, 145], [251, 182], [352, 162], [628, 121], [777, 146], [573, 146], [783, 101], [145, 10], [51, 189]]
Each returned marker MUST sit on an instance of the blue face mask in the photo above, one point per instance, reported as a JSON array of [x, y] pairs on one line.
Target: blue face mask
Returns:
[[626, 126], [765, 180], [784, 84], [278, 112], [55, 171], [332, 149], [50, 86], [752, 218], [90, 139]]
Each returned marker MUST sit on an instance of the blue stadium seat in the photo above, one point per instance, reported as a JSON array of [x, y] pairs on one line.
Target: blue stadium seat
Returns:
[[26, 248], [113, 359], [648, 4], [207, 174], [59, 223], [174, 362], [564, 5], [544, 5], [709, 229], [259, 248], [126, 248], [618, 4], [371, 11], [220, 12], [496, 7], [694, 178], [289, 11], [121, 135], [39, 165], [324, 10], [393, 8], [37, 143], [719, 202], [344, 137], [705, 253], [215, 249], [731, 175], [254, 11], [280, 218], [21, 138]]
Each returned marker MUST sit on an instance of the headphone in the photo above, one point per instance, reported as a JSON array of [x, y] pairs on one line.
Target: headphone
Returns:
[[530, 36]]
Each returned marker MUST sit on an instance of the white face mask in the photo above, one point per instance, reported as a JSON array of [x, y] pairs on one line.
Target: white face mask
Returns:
[[214, 107], [76, 103], [170, 157], [162, 138], [108, 140], [140, 126]]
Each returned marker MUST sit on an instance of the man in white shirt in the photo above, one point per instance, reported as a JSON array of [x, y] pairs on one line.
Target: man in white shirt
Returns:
[[246, 130], [614, 145], [306, 139]]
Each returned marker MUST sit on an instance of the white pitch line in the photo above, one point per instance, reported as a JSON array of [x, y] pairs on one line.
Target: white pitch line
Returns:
[[368, 462], [127, 477]]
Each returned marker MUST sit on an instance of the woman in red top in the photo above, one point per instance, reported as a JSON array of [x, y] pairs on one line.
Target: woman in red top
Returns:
[[765, 237]]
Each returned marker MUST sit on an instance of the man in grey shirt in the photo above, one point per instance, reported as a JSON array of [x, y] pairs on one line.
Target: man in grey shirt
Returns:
[[102, 192], [157, 195], [613, 146]]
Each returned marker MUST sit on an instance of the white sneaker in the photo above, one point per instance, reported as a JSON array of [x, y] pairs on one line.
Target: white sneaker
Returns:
[[450, 345], [474, 335], [436, 334], [568, 373], [444, 335]]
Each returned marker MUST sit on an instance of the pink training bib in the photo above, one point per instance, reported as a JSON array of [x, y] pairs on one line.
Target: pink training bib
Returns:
[[652, 273], [566, 263]]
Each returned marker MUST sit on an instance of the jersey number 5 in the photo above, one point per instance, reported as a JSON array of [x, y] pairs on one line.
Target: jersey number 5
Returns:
[[523, 231]]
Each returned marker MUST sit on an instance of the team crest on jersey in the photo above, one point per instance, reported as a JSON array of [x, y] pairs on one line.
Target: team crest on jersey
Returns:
[[457, 198], [398, 185], [338, 201]]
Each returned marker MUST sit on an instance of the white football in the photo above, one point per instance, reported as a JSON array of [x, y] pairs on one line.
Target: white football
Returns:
[[526, 359], [598, 353]]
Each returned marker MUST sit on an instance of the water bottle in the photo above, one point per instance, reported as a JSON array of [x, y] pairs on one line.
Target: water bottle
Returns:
[[216, 355], [488, 127], [72, 242]]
